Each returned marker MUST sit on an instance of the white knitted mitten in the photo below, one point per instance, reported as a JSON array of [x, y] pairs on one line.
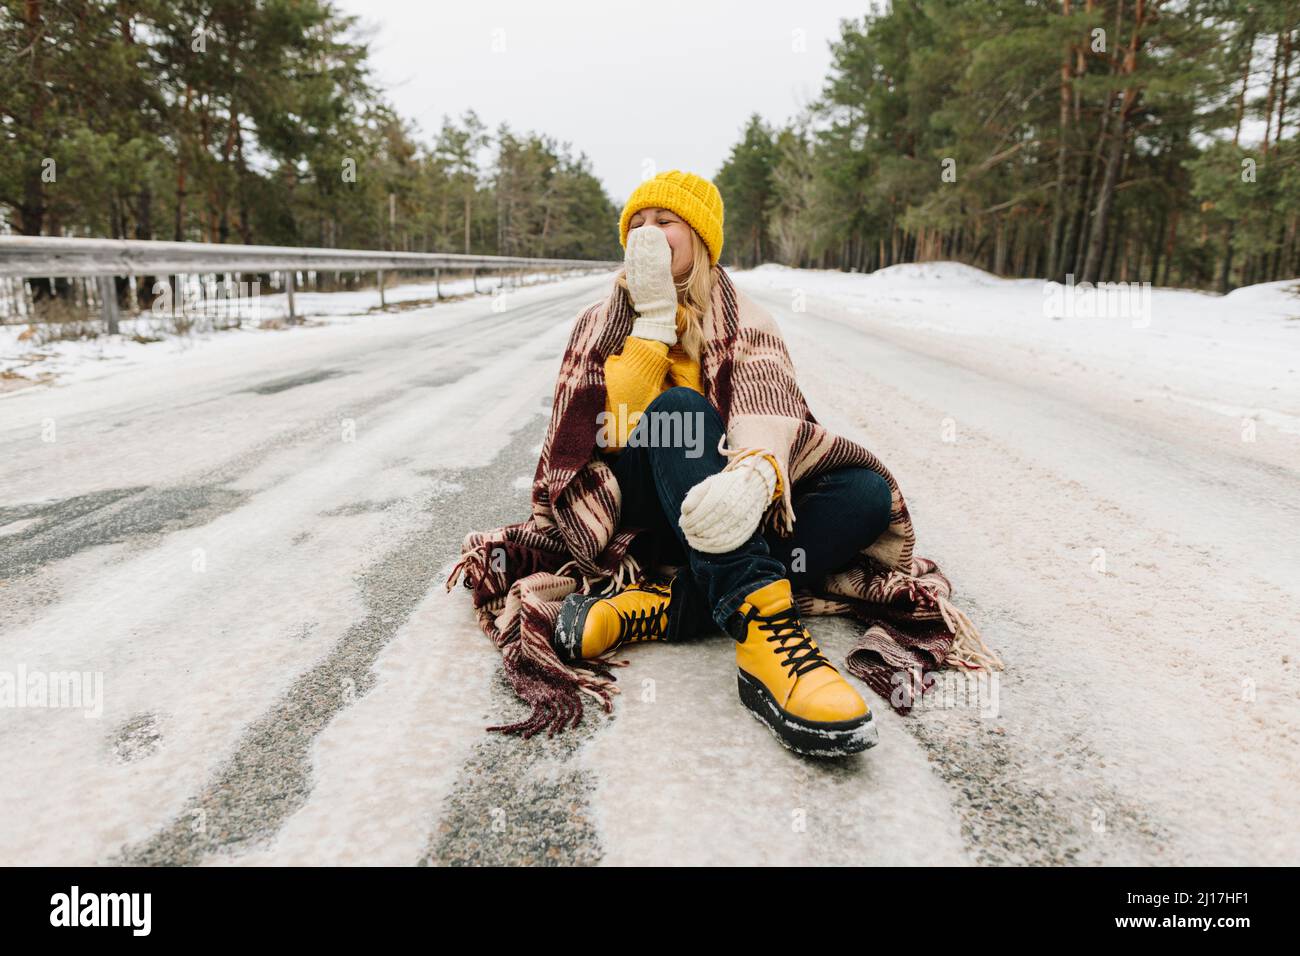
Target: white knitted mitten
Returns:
[[649, 261], [722, 511]]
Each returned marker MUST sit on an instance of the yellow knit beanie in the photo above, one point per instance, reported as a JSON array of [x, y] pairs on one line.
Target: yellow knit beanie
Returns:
[[694, 199]]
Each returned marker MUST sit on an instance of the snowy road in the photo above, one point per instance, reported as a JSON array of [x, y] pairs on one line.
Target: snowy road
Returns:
[[248, 541]]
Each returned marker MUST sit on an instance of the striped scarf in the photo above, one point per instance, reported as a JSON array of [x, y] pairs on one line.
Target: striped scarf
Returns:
[[520, 574]]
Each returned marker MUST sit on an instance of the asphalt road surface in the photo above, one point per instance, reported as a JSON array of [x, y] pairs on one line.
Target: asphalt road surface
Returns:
[[248, 544]]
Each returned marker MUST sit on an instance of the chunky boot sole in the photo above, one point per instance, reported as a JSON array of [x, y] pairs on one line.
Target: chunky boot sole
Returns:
[[809, 738], [567, 639]]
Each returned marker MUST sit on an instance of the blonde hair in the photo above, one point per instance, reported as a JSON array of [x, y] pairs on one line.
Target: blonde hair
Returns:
[[693, 295]]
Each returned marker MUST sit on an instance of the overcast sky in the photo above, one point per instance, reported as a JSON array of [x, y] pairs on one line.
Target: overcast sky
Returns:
[[637, 87]]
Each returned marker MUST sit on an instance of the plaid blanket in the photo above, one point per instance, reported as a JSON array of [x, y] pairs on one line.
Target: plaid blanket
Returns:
[[519, 574]]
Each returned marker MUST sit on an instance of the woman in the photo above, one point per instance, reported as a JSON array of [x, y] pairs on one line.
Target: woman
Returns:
[[636, 474], [703, 510]]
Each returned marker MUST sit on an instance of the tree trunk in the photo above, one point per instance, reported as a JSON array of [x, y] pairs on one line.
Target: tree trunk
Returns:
[[1056, 235], [1225, 271], [179, 230], [1106, 196], [469, 199], [1272, 94]]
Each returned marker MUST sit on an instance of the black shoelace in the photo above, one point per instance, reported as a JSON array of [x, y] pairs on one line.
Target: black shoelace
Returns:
[[643, 625], [785, 629], [647, 624]]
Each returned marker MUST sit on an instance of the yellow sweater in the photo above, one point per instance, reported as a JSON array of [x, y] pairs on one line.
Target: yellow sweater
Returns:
[[636, 377]]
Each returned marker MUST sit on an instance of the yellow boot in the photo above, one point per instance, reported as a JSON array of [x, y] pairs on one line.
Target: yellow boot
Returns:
[[788, 684], [589, 625]]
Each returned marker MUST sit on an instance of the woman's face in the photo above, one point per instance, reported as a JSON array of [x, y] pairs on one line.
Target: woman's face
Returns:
[[675, 228]]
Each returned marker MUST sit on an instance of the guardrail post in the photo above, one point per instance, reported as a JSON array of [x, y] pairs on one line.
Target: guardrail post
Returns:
[[474, 273], [437, 284], [108, 294], [382, 304], [288, 288]]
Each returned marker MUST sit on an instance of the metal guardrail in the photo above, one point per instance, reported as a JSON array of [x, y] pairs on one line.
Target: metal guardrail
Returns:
[[51, 257], [23, 256]]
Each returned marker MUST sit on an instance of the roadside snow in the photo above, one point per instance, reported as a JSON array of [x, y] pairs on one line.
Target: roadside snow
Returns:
[[1237, 355], [24, 362]]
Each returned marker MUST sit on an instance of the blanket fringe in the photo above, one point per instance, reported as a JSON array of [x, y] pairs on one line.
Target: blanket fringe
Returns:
[[968, 648], [472, 557], [626, 574], [628, 570]]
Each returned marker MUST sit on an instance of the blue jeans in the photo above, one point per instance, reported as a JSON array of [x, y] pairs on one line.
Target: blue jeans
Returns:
[[838, 513]]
